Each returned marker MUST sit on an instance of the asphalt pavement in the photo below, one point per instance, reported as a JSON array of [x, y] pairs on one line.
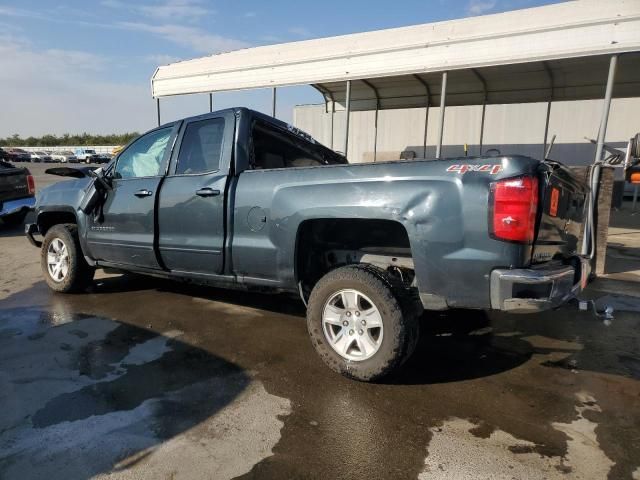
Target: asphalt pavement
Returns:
[[145, 378]]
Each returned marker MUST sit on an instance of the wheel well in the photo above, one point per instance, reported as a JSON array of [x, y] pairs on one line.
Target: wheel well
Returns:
[[325, 244], [46, 220]]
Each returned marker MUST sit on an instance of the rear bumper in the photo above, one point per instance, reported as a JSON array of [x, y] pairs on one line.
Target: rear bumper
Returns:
[[531, 290], [9, 207]]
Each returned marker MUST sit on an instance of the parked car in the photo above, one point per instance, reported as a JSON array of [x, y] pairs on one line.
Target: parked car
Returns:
[[40, 157], [17, 193], [103, 158], [64, 157], [18, 155], [85, 155], [241, 199]]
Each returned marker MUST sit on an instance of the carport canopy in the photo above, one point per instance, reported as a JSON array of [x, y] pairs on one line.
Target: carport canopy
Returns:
[[566, 51]]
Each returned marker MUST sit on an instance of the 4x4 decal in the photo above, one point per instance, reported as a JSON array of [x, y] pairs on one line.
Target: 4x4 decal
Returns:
[[492, 169]]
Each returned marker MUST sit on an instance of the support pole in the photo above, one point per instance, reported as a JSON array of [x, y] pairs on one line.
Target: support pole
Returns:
[[546, 130], [426, 113], [588, 241], [273, 102], [548, 117], [210, 102], [443, 98], [613, 63], [158, 109], [485, 97], [375, 121], [348, 114], [333, 114]]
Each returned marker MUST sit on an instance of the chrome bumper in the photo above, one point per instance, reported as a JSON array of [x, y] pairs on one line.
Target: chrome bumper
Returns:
[[531, 290], [14, 206]]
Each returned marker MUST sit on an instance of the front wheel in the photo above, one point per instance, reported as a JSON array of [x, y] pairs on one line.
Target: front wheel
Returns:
[[64, 267], [358, 325]]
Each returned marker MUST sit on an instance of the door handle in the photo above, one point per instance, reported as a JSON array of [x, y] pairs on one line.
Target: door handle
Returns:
[[143, 193], [207, 192]]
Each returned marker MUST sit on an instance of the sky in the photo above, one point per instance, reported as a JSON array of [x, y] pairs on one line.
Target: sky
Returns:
[[85, 66]]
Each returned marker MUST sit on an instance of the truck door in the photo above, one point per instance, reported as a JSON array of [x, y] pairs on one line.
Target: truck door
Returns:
[[125, 233], [191, 207]]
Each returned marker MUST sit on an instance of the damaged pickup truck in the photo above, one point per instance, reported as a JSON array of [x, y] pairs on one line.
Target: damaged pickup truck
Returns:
[[236, 198]]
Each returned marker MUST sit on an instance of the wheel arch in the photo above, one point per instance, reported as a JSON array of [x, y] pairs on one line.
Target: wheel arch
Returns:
[[316, 237], [48, 217]]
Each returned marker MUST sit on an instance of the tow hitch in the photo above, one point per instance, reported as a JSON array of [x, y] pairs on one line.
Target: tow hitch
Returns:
[[605, 315]]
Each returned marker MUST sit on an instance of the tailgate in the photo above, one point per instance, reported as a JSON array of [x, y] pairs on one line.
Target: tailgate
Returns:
[[562, 211], [13, 182]]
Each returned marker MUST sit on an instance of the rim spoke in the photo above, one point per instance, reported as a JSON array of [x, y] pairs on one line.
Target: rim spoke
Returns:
[[332, 315], [368, 344], [343, 341], [373, 318], [350, 299], [51, 258]]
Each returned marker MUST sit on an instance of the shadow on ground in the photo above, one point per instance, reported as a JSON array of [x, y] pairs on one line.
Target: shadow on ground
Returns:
[[83, 395]]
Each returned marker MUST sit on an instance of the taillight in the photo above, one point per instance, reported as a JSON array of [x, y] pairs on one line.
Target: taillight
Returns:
[[31, 183], [513, 203]]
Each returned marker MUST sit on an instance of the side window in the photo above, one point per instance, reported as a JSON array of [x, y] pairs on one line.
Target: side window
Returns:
[[201, 147], [144, 157], [275, 149]]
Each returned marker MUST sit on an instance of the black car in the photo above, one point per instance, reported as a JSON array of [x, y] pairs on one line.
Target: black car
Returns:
[[17, 193]]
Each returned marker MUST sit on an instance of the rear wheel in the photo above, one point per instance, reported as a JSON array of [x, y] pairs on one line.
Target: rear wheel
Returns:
[[358, 325], [64, 267]]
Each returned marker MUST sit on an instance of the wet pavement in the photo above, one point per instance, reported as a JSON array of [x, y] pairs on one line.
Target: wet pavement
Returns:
[[145, 378]]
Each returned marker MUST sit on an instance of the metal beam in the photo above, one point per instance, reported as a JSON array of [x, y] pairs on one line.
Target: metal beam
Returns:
[[210, 102], [443, 102], [158, 109], [548, 117], [484, 103], [348, 112], [375, 124], [602, 131], [273, 101], [426, 112]]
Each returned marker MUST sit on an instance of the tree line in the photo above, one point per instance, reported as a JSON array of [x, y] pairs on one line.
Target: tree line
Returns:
[[68, 140]]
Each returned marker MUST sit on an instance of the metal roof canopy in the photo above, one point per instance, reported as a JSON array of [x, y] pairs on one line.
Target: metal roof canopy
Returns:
[[567, 51], [514, 44]]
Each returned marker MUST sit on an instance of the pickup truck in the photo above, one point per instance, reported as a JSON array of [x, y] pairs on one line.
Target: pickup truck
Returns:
[[84, 155], [239, 199], [17, 193]]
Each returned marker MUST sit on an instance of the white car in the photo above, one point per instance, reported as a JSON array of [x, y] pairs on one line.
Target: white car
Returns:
[[63, 157]]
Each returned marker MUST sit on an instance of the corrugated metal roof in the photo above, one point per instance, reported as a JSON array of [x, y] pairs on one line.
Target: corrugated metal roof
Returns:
[[509, 57]]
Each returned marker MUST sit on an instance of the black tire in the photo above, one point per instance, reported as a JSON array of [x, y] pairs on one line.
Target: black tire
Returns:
[[399, 318], [79, 274], [14, 219]]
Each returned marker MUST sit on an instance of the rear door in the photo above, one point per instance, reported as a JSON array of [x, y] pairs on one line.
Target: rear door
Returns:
[[124, 233], [191, 207], [563, 209]]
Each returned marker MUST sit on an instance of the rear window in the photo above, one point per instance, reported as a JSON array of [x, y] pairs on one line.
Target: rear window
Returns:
[[277, 148]]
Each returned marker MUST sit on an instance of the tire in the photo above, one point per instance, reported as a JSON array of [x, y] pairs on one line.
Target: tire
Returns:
[[394, 342], [14, 219], [78, 274]]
